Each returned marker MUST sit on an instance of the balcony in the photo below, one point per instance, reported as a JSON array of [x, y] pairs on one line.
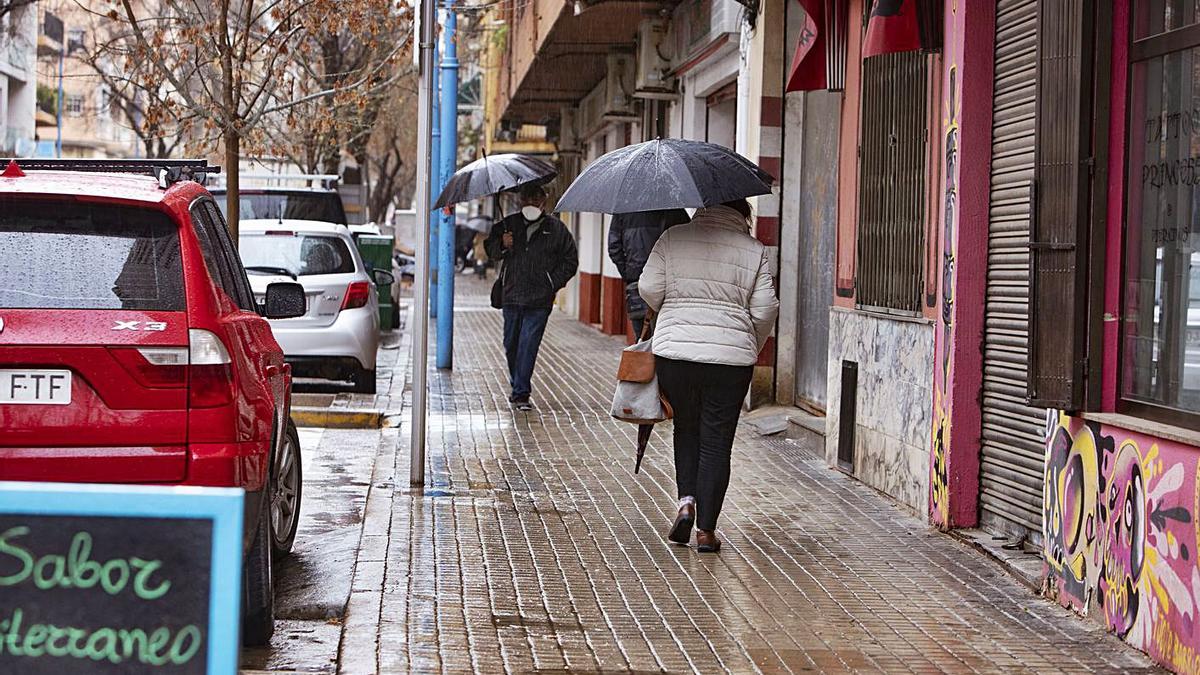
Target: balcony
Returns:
[[556, 52]]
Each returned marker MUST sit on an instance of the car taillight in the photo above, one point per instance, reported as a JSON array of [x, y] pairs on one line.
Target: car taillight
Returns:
[[357, 294], [210, 370], [154, 367]]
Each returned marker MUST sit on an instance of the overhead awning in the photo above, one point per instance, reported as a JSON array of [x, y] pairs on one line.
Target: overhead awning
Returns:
[[903, 26], [808, 63], [819, 61]]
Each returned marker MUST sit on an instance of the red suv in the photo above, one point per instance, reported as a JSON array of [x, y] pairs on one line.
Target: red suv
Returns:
[[132, 349]]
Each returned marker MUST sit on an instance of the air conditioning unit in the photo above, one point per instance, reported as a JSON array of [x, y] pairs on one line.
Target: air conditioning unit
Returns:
[[568, 136], [619, 86], [652, 66]]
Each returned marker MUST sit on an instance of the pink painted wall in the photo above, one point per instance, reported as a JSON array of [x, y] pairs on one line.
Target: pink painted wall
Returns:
[[966, 145], [1116, 202], [1122, 537]]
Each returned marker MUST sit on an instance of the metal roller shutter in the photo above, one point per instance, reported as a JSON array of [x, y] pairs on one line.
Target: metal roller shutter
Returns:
[[1013, 446]]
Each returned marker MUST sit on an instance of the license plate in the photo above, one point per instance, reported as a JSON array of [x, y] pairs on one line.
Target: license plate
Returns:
[[34, 387]]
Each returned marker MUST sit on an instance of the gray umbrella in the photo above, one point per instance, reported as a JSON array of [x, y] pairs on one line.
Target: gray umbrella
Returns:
[[664, 174], [493, 174]]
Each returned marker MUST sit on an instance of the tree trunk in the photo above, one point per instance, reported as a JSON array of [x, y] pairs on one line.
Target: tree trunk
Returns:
[[232, 162]]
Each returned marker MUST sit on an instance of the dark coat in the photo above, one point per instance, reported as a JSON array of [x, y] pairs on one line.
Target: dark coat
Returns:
[[631, 237], [534, 270]]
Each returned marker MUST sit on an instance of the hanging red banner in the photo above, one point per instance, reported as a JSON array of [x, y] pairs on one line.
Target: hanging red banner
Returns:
[[808, 71], [893, 27]]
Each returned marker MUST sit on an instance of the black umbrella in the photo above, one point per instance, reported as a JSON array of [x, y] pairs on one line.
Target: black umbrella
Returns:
[[664, 174], [493, 174]]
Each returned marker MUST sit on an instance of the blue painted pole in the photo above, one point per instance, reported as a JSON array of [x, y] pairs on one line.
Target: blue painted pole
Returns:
[[449, 157], [435, 186], [62, 57]]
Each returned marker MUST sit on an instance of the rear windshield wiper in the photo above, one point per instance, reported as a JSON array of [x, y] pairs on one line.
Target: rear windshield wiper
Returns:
[[266, 269]]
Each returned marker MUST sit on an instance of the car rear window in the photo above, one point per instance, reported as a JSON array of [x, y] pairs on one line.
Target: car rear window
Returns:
[[300, 254], [60, 254], [323, 206]]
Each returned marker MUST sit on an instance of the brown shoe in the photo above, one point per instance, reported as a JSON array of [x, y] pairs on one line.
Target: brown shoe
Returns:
[[681, 531], [707, 542]]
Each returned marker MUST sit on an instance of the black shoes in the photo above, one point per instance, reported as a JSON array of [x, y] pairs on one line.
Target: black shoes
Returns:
[[521, 402]]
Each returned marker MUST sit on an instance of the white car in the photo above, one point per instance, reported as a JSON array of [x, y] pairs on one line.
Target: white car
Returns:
[[338, 336]]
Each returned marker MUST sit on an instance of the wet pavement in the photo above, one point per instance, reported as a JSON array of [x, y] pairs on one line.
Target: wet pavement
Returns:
[[536, 549]]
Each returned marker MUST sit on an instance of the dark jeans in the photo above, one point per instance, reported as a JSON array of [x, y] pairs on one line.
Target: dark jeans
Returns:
[[523, 330], [707, 399]]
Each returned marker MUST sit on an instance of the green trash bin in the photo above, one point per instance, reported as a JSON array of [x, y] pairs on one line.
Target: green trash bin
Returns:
[[376, 252]]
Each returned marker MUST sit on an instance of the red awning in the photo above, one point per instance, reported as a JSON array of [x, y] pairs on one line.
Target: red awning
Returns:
[[893, 27], [808, 64]]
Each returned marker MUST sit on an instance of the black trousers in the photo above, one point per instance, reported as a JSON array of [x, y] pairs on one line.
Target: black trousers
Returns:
[[707, 399]]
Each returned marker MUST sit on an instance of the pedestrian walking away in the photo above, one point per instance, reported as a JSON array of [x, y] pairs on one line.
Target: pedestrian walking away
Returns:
[[631, 236], [538, 257], [710, 283]]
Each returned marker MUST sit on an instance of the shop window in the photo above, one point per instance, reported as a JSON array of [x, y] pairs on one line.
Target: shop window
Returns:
[[1160, 346], [892, 179]]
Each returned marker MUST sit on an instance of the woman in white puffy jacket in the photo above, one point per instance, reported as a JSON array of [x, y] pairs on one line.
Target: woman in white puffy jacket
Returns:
[[710, 284]]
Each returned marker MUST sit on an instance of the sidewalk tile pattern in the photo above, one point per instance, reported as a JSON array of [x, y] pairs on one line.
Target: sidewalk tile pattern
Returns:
[[535, 548]]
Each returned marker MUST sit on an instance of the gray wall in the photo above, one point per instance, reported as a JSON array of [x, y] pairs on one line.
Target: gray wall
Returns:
[[807, 237], [895, 395]]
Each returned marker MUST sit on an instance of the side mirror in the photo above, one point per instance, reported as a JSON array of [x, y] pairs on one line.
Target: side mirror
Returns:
[[285, 300], [383, 277]]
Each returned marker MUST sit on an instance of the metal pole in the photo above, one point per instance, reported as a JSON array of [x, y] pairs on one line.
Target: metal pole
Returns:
[[62, 57], [449, 157], [416, 475], [435, 183]]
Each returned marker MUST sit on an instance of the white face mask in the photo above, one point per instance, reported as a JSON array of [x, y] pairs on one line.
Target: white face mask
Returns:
[[531, 213]]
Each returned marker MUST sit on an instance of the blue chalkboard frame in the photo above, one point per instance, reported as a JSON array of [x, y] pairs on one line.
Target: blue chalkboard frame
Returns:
[[223, 506]]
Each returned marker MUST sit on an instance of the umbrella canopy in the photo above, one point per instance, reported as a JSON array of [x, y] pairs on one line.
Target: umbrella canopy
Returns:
[[664, 174], [493, 174]]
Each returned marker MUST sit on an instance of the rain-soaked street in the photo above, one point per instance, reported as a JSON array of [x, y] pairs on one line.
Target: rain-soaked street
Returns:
[[535, 548]]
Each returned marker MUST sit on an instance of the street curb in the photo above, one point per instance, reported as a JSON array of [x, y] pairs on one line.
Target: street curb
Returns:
[[337, 418]]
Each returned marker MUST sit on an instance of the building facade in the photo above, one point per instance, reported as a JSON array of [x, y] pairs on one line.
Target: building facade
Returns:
[[18, 82], [95, 122]]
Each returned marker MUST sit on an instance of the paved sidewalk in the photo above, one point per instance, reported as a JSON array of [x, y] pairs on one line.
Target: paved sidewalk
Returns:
[[537, 549]]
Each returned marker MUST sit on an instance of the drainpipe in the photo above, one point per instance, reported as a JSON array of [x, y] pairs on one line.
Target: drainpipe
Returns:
[[435, 183], [416, 474], [742, 131], [449, 156]]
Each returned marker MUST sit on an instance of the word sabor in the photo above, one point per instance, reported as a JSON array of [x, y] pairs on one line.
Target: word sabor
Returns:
[[76, 569]]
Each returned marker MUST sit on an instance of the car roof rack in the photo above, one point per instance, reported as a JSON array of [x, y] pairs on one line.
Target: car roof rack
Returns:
[[166, 171]]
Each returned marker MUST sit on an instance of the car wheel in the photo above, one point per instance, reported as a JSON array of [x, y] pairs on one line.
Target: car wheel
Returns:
[[258, 585], [287, 487], [364, 381]]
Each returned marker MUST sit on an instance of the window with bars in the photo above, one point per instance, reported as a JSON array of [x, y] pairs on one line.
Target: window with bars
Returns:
[[893, 147]]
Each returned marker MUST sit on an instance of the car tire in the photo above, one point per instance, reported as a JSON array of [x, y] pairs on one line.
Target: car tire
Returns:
[[287, 490], [364, 381], [258, 584]]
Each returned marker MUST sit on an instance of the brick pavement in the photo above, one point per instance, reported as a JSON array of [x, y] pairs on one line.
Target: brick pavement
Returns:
[[537, 549]]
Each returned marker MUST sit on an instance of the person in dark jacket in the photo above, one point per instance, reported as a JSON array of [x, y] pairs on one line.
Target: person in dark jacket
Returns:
[[631, 237], [538, 257]]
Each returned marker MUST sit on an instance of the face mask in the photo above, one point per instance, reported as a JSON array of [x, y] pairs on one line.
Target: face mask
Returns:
[[531, 213]]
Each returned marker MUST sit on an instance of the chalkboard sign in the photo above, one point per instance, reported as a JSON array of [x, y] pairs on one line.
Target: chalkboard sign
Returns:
[[119, 579]]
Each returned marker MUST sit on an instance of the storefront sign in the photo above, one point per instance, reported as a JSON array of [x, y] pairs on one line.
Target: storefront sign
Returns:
[[119, 579]]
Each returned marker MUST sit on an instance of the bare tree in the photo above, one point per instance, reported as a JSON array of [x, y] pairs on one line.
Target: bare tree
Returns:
[[390, 150], [221, 71]]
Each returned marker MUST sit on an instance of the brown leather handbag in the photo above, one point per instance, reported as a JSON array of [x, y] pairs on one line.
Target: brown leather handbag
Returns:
[[637, 361]]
